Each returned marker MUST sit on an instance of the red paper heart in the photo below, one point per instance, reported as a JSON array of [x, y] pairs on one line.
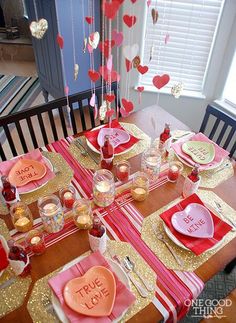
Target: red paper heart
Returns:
[[160, 81], [142, 69], [104, 46], [117, 37], [140, 88], [129, 20], [111, 8], [133, 1], [89, 19], [128, 105], [123, 112], [60, 41], [110, 97], [94, 76], [109, 113], [128, 65], [109, 76]]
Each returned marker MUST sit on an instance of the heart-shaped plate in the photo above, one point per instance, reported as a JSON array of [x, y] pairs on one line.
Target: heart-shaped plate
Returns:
[[200, 151], [25, 171], [116, 136], [194, 221], [92, 294]]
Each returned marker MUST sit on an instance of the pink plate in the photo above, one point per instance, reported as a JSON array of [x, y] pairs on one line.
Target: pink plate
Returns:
[[92, 294], [116, 136], [194, 221]]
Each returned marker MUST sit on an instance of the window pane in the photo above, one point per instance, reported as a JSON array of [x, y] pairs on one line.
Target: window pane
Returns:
[[230, 86]]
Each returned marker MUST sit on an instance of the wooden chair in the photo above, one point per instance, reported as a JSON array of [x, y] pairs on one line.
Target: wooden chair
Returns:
[[81, 114], [223, 129]]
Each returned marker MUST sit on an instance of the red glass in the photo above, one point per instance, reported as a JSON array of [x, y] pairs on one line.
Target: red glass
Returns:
[[35, 241], [107, 154], [123, 171], [18, 253], [3, 258], [194, 175], [67, 197], [8, 192], [97, 229], [175, 169]]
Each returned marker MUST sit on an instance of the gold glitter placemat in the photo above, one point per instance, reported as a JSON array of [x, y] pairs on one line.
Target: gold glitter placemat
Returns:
[[41, 293], [191, 261], [139, 147], [63, 177], [12, 296]]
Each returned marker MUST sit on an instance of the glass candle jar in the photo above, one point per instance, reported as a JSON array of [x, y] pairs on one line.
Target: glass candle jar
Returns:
[[21, 217], [151, 162], [175, 169], [103, 188], [35, 242], [140, 186], [51, 213], [82, 213], [123, 171], [67, 197]]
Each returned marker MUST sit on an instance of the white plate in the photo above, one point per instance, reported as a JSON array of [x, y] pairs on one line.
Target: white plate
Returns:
[[179, 243], [208, 167], [98, 151], [115, 268]]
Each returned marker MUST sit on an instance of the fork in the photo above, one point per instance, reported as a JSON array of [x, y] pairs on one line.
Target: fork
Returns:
[[218, 170], [84, 151], [220, 210], [49, 308]]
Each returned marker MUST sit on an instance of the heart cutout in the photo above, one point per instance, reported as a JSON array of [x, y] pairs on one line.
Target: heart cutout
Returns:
[[124, 113], [194, 221], [89, 19], [160, 81], [110, 97], [128, 105], [94, 39], [39, 28], [94, 76], [111, 8], [154, 16], [200, 151], [93, 294], [140, 88], [116, 136], [109, 76], [142, 69], [130, 51], [117, 37], [129, 20], [25, 171], [60, 41], [109, 113], [104, 47]]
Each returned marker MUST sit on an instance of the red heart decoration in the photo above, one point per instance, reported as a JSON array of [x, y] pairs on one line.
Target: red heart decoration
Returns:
[[142, 69], [128, 105], [123, 112], [104, 47], [111, 8], [108, 76], [129, 20], [94, 76], [128, 65], [89, 19], [160, 81], [109, 113], [110, 97], [140, 88], [133, 1], [60, 41]]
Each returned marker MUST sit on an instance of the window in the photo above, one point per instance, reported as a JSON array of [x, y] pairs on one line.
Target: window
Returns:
[[191, 26], [229, 94]]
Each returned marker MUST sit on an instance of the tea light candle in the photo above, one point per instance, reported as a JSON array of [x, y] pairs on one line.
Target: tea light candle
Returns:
[[175, 169], [139, 193], [68, 200], [83, 221], [103, 187], [122, 171], [35, 241], [50, 209], [23, 224]]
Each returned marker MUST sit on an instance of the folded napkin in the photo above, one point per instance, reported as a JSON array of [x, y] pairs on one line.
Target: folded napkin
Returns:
[[6, 166], [124, 298], [197, 245], [92, 138], [3, 253], [220, 153]]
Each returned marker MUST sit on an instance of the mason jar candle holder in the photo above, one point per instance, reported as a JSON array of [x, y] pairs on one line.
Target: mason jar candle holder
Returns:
[[151, 162], [123, 171], [51, 213], [21, 217], [35, 242], [140, 186], [103, 188], [175, 170], [67, 197], [82, 213]]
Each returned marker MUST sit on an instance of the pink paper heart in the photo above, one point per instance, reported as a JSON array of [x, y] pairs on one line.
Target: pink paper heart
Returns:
[[66, 89], [194, 221], [123, 112], [60, 41], [128, 105], [129, 20], [95, 111], [90, 48], [140, 88], [109, 113], [109, 63], [117, 37], [149, 3], [160, 81], [92, 100]]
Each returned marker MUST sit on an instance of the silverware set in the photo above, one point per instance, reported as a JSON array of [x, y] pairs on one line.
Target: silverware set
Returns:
[[218, 170], [84, 150], [219, 208], [49, 308]]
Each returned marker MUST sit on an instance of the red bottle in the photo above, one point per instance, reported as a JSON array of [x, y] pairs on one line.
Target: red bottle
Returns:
[[19, 260], [97, 229], [192, 182], [164, 136], [107, 154], [9, 192], [194, 175]]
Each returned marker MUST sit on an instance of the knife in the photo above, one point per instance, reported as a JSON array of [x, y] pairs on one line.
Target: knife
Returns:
[[8, 282]]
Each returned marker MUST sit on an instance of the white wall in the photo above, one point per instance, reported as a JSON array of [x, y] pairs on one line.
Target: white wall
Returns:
[[190, 110]]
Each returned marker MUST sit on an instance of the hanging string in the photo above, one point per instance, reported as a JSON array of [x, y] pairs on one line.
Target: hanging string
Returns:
[[118, 68], [36, 11], [127, 78]]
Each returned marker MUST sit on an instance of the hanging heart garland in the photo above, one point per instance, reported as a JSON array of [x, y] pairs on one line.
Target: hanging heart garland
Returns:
[[110, 113], [92, 100], [149, 2], [140, 90], [110, 97], [85, 45], [142, 69], [89, 19], [117, 37], [128, 65], [76, 71], [109, 63], [136, 61], [104, 47], [93, 75], [108, 76], [103, 110], [39, 28], [95, 112], [94, 39], [129, 20], [154, 16], [130, 51], [60, 41], [90, 48], [160, 81], [127, 105], [111, 9]]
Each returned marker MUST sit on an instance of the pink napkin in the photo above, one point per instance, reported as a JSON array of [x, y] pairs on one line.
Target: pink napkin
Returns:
[[35, 155], [220, 153], [124, 297]]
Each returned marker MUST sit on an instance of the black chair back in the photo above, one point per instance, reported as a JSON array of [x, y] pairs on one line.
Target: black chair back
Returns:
[[79, 109], [223, 129]]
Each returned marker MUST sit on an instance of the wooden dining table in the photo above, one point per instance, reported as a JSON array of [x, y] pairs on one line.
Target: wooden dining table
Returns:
[[62, 252]]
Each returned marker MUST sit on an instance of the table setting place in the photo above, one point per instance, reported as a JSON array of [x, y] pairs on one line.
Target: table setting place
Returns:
[[85, 186]]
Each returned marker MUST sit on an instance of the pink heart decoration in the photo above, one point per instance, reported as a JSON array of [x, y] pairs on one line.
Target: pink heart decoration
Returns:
[[95, 111], [104, 46], [148, 3], [128, 65], [109, 63], [92, 100], [66, 89], [109, 113], [110, 97], [142, 69], [90, 48], [89, 19], [124, 113], [117, 37], [129, 20], [194, 221], [108, 76], [140, 88], [128, 105], [60, 41], [160, 81], [94, 76]]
